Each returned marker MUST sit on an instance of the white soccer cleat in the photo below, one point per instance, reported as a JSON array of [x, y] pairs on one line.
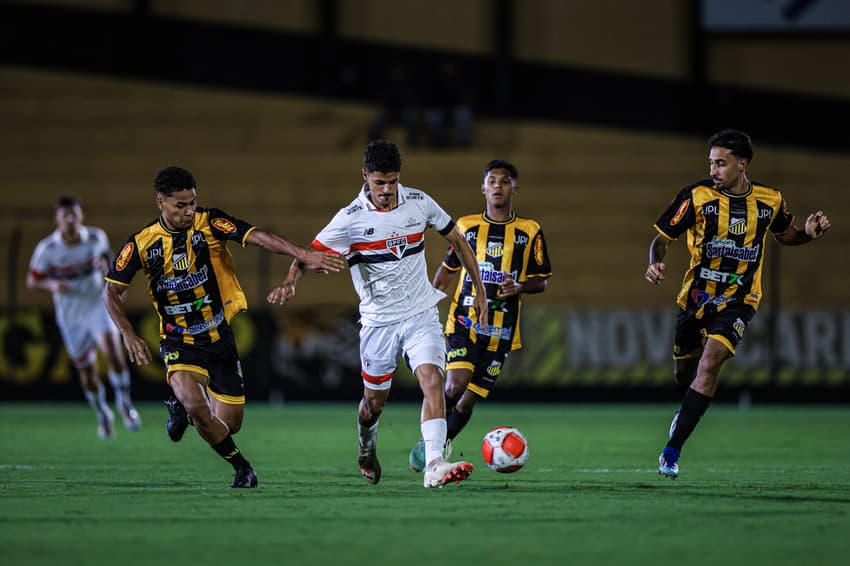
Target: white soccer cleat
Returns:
[[130, 416], [439, 472]]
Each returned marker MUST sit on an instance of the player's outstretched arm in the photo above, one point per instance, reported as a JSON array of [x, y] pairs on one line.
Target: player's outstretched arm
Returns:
[[816, 225], [467, 259], [137, 349], [657, 251], [312, 259]]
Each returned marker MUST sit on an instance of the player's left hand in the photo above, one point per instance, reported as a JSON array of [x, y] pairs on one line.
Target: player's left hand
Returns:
[[817, 224], [509, 287], [482, 310]]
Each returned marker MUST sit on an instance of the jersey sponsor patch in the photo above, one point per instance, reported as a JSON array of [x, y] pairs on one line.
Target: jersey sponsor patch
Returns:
[[224, 225], [538, 250], [124, 257], [680, 213]]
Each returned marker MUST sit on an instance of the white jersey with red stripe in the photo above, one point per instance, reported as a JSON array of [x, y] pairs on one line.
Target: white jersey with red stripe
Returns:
[[78, 265], [385, 253]]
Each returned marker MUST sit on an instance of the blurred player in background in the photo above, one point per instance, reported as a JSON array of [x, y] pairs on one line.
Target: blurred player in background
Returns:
[[513, 260], [726, 218], [382, 235], [71, 263], [191, 280]]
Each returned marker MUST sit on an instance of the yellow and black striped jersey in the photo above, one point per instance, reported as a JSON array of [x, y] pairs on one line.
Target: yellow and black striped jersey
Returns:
[[190, 273], [516, 246], [726, 239]]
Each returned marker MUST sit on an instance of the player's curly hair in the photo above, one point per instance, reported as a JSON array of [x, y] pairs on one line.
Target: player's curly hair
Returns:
[[173, 179], [502, 164], [381, 156], [736, 141]]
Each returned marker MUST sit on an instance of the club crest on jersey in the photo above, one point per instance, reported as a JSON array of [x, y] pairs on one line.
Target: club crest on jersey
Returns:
[[397, 246], [224, 225], [495, 249], [124, 257], [180, 261], [738, 226], [680, 213]]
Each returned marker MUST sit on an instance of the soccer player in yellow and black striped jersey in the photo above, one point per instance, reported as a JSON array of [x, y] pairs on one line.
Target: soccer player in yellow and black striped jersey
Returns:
[[513, 261], [194, 289], [727, 218]]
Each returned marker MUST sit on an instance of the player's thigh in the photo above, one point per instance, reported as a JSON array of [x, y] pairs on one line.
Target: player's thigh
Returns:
[[728, 326], [487, 372], [190, 388], [79, 343], [379, 350], [423, 342]]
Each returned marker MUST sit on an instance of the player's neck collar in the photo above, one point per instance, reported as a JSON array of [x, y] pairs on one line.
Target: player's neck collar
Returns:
[[492, 221], [744, 194]]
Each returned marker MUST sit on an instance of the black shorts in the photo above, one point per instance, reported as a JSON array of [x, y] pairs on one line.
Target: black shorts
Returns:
[[485, 365], [727, 326], [218, 362]]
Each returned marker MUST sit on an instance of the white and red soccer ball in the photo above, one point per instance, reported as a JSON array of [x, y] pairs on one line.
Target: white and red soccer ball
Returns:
[[505, 449]]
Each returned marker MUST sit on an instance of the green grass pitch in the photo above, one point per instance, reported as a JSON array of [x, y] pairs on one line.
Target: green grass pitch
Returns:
[[769, 485]]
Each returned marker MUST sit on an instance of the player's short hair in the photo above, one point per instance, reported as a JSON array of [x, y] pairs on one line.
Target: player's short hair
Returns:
[[381, 156], [502, 164], [737, 142], [66, 201], [173, 179]]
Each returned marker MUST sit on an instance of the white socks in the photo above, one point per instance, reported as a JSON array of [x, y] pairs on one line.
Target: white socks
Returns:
[[97, 401], [434, 435], [121, 385]]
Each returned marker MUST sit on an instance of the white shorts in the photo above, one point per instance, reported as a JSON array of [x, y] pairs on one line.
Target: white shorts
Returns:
[[419, 339], [80, 336]]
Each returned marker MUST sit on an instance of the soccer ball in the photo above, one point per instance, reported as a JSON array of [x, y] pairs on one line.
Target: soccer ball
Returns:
[[505, 449]]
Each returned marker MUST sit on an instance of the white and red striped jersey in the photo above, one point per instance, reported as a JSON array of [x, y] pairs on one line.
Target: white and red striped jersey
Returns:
[[76, 264], [385, 253]]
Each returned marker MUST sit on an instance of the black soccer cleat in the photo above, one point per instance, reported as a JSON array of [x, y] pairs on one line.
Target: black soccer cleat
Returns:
[[178, 420], [369, 464], [244, 478]]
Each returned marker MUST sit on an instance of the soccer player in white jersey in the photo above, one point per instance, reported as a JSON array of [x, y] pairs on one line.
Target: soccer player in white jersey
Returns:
[[71, 263], [381, 234]]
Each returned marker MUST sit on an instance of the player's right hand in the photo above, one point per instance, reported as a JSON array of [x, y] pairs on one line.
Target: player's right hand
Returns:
[[322, 261], [282, 293], [59, 286], [655, 273]]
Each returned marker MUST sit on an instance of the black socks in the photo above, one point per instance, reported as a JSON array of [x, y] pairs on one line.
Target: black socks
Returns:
[[227, 449], [693, 408]]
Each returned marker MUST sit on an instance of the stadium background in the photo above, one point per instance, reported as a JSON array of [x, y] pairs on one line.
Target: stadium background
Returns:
[[603, 106]]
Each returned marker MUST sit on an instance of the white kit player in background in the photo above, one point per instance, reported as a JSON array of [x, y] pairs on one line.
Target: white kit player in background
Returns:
[[71, 263], [382, 236]]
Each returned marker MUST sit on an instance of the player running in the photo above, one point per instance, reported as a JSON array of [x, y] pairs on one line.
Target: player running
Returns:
[[513, 260], [70, 264], [382, 235], [727, 219], [193, 286]]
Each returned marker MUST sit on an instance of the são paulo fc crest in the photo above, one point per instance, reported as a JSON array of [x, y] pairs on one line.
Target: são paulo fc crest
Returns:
[[397, 246]]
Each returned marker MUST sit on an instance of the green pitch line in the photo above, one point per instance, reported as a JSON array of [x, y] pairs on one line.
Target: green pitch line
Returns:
[[765, 486]]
